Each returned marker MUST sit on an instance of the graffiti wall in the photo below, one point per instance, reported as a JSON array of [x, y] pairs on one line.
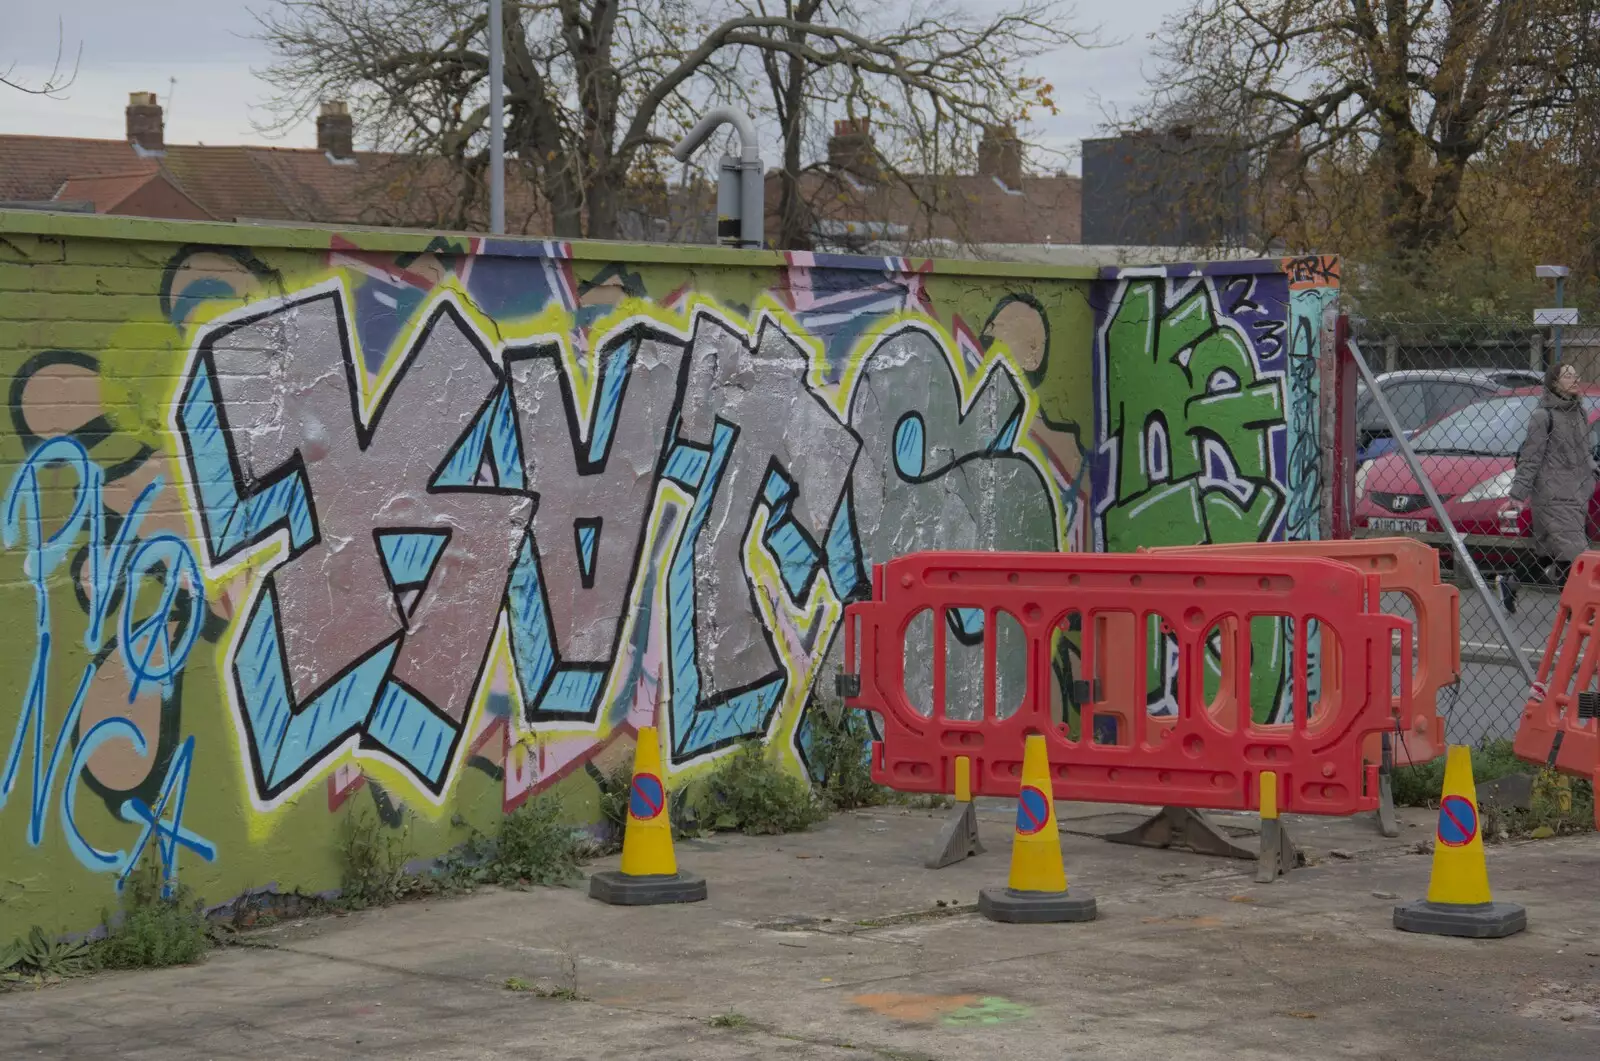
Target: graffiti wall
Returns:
[[1208, 428], [297, 525]]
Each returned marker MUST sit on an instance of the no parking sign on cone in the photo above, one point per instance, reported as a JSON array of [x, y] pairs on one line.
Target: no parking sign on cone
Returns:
[[1458, 902], [649, 872], [1036, 891]]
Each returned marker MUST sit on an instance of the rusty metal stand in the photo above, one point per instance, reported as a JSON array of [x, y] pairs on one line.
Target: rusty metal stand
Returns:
[[1183, 827]]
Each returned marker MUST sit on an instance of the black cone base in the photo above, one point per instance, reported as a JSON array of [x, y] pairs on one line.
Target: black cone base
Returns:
[[1034, 908], [1476, 921], [621, 889]]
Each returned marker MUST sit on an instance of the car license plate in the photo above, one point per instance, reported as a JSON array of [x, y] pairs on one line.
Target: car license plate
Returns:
[[1401, 526]]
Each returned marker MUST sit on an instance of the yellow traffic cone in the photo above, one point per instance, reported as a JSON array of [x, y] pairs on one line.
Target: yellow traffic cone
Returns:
[[1036, 891], [1458, 902], [649, 873]]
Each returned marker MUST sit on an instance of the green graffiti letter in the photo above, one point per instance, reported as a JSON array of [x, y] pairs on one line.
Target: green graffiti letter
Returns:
[[1183, 398]]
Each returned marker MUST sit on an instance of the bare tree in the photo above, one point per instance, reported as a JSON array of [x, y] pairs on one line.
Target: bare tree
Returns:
[[588, 85], [1383, 105], [930, 84], [56, 81], [597, 90]]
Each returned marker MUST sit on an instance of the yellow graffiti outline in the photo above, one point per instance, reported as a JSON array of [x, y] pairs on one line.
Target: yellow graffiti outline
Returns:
[[258, 561], [554, 325]]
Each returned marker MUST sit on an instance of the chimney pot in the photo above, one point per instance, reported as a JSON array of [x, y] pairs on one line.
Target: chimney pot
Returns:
[[336, 129], [145, 124], [851, 148], [1000, 155]]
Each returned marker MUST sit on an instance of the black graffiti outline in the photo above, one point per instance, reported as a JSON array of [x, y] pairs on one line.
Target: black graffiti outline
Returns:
[[266, 588], [268, 792], [1304, 456], [205, 356], [595, 525], [396, 588], [240, 256], [1269, 329], [725, 696], [965, 405], [1169, 295], [637, 333], [89, 434], [1313, 270]]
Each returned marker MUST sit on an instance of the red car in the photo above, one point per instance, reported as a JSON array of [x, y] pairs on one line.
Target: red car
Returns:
[[1470, 455]]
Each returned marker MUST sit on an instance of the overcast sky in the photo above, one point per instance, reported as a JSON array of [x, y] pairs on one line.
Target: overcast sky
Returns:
[[206, 45]]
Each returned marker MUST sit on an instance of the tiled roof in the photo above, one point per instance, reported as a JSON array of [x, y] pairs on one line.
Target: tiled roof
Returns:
[[256, 183], [106, 191], [35, 167], [306, 185], [148, 192]]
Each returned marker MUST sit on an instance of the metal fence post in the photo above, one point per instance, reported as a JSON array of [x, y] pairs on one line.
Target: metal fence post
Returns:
[[1468, 387], [1463, 557]]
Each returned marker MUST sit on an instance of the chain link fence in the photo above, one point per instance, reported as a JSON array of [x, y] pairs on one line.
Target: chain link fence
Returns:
[[1463, 393]]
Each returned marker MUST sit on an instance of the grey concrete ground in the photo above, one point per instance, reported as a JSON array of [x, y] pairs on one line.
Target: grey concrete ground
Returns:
[[832, 944]]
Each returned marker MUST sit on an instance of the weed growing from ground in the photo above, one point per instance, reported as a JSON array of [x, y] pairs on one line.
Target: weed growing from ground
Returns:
[[729, 1020], [1549, 811], [535, 846], [615, 789], [1549, 814], [563, 986], [1420, 785], [40, 959], [372, 862], [840, 752], [750, 793], [162, 923]]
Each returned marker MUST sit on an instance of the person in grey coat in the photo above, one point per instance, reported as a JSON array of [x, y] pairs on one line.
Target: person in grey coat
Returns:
[[1556, 471]]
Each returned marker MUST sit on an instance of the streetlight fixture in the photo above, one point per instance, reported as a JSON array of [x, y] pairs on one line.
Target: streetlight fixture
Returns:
[[1558, 316], [741, 188]]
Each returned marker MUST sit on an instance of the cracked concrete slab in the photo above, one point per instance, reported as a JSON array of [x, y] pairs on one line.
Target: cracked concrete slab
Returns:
[[837, 943]]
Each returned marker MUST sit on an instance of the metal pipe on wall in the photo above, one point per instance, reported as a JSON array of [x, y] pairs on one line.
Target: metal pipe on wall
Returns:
[[741, 183]]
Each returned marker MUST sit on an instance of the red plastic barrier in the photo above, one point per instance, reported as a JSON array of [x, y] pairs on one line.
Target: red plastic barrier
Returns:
[[1194, 759], [1406, 566], [1561, 721]]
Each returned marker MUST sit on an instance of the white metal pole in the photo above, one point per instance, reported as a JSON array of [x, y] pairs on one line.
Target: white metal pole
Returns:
[[497, 127], [1560, 286]]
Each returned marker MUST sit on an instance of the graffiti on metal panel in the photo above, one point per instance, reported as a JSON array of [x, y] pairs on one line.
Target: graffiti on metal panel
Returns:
[[1194, 420], [1306, 307]]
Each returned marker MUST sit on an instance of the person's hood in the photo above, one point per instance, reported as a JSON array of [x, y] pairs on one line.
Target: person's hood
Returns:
[[1559, 402]]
